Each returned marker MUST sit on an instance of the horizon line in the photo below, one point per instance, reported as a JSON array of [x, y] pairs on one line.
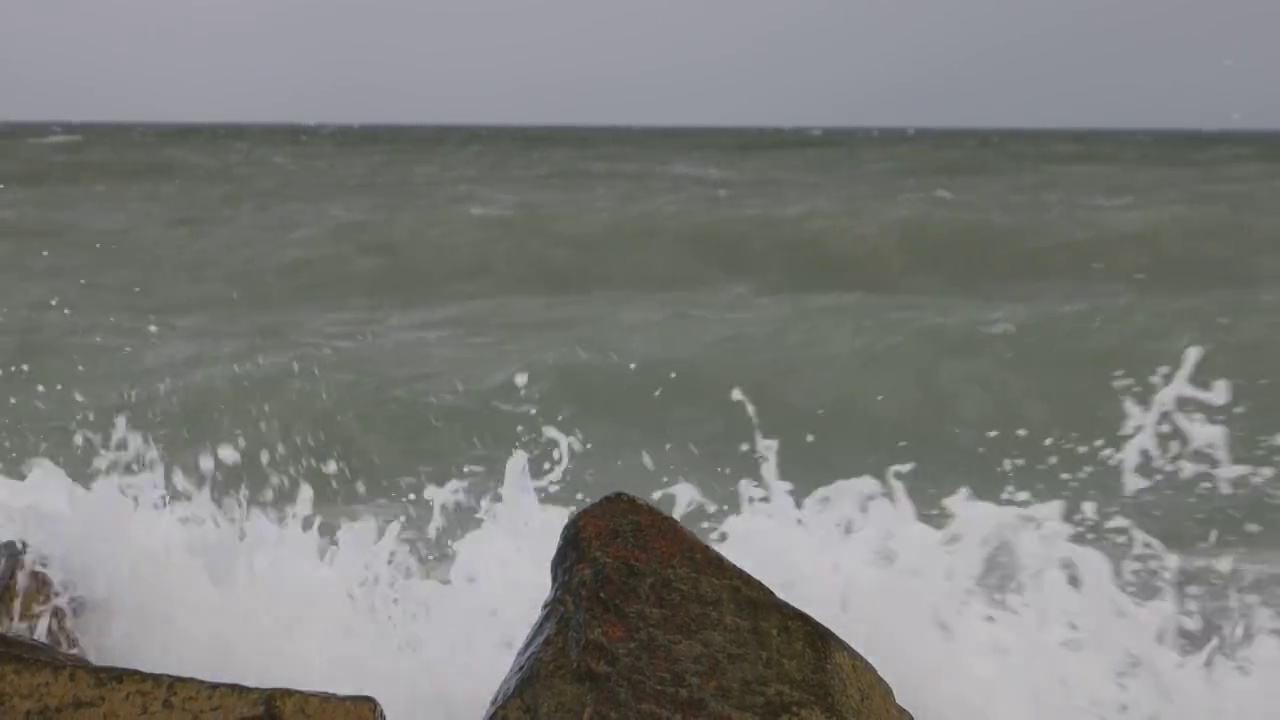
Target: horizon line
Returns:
[[688, 127]]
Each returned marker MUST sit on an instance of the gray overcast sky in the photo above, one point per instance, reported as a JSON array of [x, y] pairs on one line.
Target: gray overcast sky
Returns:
[[1187, 63]]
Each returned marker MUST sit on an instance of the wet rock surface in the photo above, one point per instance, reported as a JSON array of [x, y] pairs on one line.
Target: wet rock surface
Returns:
[[644, 620], [51, 680], [30, 605]]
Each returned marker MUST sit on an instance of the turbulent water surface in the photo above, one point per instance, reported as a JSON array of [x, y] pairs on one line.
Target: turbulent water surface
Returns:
[[309, 405]]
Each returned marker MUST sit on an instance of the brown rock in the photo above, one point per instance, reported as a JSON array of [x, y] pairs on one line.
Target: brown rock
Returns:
[[644, 620], [30, 604], [41, 682], [68, 688], [18, 646]]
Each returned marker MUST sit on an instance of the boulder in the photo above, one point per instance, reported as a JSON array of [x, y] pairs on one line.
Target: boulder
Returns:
[[53, 680], [644, 620]]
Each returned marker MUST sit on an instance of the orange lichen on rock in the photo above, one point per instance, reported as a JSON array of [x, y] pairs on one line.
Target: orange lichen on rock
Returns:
[[644, 620]]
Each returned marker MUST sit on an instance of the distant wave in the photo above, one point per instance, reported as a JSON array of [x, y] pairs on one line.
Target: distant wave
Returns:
[[56, 139]]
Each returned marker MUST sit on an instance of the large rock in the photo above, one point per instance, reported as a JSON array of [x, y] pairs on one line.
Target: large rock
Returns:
[[644, 620], [39, 680]]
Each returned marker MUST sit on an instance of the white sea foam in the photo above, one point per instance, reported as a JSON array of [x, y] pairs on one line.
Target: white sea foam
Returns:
[[996, 614]]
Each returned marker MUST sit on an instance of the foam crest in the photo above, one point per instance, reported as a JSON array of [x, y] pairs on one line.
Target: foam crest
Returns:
[[1164, 438], [190, 587], [995, 613]]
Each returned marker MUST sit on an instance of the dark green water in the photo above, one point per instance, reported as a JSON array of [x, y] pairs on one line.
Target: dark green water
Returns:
[[356, 302]]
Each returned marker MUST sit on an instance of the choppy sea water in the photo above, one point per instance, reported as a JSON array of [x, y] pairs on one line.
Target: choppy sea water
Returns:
[[309, 406]]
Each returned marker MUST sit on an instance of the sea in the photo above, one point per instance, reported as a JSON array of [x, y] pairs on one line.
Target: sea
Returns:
[[309, 405]]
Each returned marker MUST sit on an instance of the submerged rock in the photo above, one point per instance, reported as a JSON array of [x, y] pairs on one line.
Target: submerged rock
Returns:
[[30, 604], [52, 679], [644, 620]]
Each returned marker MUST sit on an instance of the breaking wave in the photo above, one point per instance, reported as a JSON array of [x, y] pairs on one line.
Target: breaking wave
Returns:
[[998, 610]]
